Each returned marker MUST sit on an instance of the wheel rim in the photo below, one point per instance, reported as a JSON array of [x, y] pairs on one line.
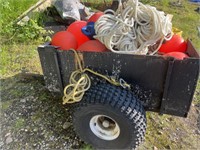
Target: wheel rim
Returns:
[[104, 127]]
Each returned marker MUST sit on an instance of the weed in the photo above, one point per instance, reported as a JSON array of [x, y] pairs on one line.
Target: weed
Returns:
[[11, 32], [165, 3], [87, 147], [19, 123], [5, 105], [11, 9]]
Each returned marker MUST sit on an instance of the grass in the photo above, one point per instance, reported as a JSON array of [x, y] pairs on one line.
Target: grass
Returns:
[[19, 123], [169, 132], [19, 57], [18, 43], [184, 18], [11, 9], [5, 105], [11, 32]]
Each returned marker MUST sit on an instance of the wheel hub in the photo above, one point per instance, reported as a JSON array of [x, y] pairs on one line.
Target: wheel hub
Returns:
[[104, 127], [106, 123]]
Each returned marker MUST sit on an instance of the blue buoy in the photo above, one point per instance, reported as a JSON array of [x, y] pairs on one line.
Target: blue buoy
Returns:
[[89, 30]]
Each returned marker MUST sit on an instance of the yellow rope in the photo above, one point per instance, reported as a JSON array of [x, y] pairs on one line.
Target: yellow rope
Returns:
[[80, 82]]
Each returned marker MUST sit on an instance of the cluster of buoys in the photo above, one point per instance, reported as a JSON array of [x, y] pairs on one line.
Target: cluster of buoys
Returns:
[[79, 36], [176, 47]]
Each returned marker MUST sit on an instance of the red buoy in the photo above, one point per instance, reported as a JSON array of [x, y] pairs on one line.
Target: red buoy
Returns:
[[65, 40], [177, 55], [175, 44], [92, 46], [75, 29], [95, 16]]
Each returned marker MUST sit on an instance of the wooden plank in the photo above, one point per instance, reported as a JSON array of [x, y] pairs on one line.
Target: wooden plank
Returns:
[[30, 10]]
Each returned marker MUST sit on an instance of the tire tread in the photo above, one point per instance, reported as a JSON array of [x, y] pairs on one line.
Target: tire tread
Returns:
[[121, 100]]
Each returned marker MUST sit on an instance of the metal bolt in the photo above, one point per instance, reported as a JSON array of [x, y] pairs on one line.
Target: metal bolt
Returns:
[[106, 123]]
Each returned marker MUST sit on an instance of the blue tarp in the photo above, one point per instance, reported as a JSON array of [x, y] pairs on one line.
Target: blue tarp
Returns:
[[195, 1]]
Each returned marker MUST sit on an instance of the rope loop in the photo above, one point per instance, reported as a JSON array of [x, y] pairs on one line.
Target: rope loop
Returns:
[[80, 82], [133, 28]]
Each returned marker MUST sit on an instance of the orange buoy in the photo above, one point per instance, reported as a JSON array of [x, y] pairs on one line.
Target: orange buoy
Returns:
[[93, 46], [177, 55], [95, 16], [175, 44], [65, 40], [75, 29]]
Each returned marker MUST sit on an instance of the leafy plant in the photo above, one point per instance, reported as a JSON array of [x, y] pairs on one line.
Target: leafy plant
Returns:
[[29, 31]]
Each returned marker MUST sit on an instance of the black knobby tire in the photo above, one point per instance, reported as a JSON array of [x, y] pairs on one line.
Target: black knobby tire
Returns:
[[118, 104]]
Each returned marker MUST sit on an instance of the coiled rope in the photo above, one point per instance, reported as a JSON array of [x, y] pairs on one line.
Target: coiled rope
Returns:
[[132, 28], [80, 82]]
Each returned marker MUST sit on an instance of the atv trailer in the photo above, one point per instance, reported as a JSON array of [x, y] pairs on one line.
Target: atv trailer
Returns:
[[113, 117]]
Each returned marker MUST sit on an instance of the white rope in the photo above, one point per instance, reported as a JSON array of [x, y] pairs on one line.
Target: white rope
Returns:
[[130, 30]]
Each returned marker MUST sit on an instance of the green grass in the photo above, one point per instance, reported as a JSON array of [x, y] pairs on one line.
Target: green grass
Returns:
[[10, 31], [169, 132], [11, 9], [19, 123], [19, 57], [87, 147], [184, 18], [5, 105], [18, 44]]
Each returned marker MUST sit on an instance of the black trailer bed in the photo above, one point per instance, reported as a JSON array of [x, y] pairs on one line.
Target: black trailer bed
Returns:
[[167, 84]]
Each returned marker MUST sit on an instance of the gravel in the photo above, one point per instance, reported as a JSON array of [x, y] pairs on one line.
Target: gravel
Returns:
[[32, 118]]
